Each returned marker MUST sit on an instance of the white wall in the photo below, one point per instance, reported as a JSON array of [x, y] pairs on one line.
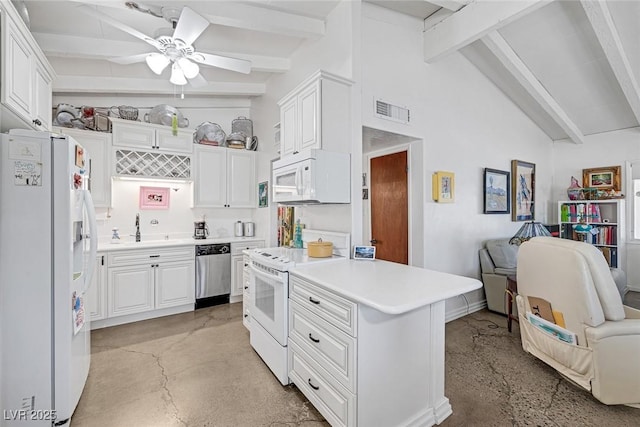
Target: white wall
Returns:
[[466, 125], [176, 221], [332, 53], [601, 150]]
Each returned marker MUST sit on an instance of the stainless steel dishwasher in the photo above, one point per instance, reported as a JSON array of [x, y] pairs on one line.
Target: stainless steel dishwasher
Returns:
[[213, 274]]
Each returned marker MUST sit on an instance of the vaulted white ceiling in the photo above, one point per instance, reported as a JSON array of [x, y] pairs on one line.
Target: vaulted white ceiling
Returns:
[[572, 66]]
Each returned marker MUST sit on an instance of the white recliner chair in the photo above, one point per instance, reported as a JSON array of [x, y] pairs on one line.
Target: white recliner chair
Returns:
[[575, 278]]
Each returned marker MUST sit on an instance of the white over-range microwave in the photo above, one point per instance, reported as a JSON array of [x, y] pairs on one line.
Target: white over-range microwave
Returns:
[[311, 177]]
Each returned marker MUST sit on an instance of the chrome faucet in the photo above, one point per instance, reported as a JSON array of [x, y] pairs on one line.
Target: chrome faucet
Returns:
[[137, 227]]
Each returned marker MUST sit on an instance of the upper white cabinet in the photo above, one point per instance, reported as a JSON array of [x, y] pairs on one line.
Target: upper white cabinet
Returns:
[[316, 114], [26, 74], [224, 177], [98, 145], [147, 136]]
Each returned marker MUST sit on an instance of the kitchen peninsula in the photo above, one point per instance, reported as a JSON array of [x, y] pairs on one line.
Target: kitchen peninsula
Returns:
[[367, 341]]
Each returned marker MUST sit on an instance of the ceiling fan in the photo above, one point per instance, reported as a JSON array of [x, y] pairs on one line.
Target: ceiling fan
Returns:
[[174, 48]]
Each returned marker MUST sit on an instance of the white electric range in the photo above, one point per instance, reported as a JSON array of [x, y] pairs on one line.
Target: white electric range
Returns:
[[269, 293]]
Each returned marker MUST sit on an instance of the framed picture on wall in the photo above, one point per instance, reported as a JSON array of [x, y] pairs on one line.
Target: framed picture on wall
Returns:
[[523, 180], [496, 190], [154, 198], [603, 178], [443, 187]]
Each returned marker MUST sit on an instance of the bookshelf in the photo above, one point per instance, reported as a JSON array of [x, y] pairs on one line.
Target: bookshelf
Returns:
[[606, 220]]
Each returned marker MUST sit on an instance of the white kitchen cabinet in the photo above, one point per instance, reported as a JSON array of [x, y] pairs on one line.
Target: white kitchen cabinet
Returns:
[[224, 177], [348, 357], [26, 88], [98, 145], [96, 295], [238, 268], [246, 293], [148, 283], [147, 136], [316, 114], [175, 283], [131, 289], [42, 97]]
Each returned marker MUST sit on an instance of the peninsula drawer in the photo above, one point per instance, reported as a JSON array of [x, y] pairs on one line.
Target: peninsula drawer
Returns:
[[330, 347], [332, 400], [238, 247], [336, 310], [143, 256]]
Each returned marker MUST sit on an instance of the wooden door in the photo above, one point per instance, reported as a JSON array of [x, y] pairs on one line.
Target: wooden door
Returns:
[[389, 207]]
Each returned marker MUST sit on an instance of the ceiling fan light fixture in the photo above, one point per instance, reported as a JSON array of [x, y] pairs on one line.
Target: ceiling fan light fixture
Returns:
[[157, 62], [177, 76], [190, 69]]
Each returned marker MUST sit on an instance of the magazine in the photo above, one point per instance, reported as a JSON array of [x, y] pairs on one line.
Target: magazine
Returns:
[[560, 333]]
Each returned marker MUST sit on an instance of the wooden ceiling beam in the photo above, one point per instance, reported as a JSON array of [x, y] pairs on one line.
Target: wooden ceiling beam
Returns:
[[605, 29], [473, 22], [512, 62], [56, 45], [119, 85]]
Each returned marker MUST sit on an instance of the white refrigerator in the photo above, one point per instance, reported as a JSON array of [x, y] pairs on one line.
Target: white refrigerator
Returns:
[[48, 245]]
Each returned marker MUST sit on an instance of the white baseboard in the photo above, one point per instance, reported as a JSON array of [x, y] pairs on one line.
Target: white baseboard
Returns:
[[634, 288], [120, 320], [463, 311]]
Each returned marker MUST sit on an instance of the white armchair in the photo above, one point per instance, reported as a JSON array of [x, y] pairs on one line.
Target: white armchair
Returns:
[[575, 278]]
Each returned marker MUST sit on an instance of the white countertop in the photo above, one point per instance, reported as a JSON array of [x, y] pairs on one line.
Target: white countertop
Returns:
[[386, 286], [107, 246]]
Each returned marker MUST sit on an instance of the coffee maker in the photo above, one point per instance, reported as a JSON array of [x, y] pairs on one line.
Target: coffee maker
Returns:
[[200, 230]]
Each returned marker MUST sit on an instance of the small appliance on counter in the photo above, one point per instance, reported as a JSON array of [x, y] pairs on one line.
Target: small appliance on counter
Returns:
[[200, 230], [238, 229], [248, 229]]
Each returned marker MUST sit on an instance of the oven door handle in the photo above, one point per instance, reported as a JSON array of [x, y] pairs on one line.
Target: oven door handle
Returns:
[[264, 275]]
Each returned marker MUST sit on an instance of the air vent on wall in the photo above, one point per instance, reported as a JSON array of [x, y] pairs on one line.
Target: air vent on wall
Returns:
[[388, 111]]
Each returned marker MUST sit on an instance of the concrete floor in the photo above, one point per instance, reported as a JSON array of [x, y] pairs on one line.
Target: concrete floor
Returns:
[[198, 369]]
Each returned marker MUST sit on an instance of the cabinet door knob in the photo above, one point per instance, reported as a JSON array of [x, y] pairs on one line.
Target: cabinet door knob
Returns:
[[37, 122], [315, 387], [313, 300], [312, 338]]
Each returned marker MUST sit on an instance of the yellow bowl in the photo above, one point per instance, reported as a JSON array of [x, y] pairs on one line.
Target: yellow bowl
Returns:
[[319, 249]]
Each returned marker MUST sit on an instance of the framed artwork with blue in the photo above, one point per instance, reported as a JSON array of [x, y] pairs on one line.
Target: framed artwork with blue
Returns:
[[523, 190], [497, 192]]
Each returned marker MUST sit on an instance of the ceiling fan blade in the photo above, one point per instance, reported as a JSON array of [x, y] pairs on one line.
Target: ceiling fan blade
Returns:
[[120, 26], [233, 64], [190, 26], [198, 81], [132, 59]]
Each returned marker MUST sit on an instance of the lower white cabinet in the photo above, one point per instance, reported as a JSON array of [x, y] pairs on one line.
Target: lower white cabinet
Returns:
[[130, 290], [237, 267], [361, 367], [96, 295], [146, 283], [246, 296], [175, 283]]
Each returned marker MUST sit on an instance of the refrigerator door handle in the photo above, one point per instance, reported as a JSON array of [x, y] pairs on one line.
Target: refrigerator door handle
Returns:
[[93, 239]]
